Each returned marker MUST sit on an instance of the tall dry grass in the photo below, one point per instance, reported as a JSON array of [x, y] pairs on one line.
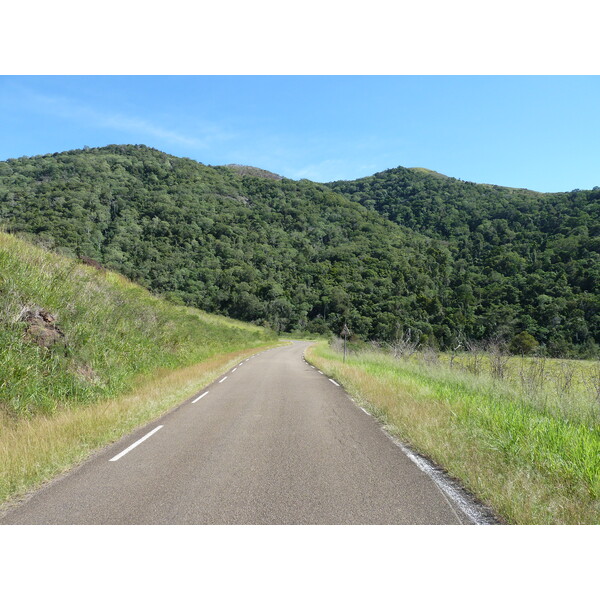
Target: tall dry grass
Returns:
[[37, 449], [533, 457]]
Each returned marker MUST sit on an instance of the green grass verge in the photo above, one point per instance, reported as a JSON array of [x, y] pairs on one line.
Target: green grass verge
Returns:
[[529, 463], [87, 356], [110, 332], [37, 449]]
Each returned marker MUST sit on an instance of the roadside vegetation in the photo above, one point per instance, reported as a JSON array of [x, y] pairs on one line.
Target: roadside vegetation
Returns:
[[86, 356], [521, 433]]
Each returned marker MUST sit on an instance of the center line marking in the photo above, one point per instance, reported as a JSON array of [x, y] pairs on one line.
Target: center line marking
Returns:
[[334, 382], [198, 398], [118, 456], [224, 378]]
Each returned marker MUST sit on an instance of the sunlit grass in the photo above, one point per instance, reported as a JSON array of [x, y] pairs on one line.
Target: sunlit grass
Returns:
[[519, 453], [124, 357], [36, 449], [113, 331]]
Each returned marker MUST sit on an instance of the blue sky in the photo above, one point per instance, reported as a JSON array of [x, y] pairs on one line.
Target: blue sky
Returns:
[[538, 132]]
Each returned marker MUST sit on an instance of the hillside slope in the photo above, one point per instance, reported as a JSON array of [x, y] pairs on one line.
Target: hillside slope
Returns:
[[293, 255], [524, 260], [71, 334]]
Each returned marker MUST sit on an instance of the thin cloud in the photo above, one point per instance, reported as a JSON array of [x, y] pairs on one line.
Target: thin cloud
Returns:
[[133, 125], [66, 108], [321, 171]]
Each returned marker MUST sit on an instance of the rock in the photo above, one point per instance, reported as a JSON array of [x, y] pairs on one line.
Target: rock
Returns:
[[42, 328], [43, 336]]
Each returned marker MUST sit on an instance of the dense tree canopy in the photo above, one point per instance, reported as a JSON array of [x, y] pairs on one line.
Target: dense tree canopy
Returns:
[[402, 249], [523, 261]]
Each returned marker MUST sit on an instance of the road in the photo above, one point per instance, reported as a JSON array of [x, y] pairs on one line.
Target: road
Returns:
[[272, 441]]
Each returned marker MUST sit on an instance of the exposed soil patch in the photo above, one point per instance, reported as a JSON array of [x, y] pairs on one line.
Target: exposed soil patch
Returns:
[[86, 373], [42, 328], [86, 260], [247, 171]]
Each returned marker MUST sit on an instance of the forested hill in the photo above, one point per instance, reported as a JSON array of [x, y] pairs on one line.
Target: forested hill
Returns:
[[304, 256], [293, 255], [449, 208], [527, 260]]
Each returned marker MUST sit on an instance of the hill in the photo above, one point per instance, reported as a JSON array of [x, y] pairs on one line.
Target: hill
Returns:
[[253, 172], [522, 260], [288, 254], [406, 249], [71, 334]]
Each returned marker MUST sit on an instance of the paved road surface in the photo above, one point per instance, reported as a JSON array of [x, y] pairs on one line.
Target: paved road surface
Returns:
[[274, 442]]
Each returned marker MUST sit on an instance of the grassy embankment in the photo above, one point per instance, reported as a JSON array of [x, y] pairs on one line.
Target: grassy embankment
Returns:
[[87, 356], [527, 444]]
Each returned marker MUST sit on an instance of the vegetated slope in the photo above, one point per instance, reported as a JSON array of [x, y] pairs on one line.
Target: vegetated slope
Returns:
[[248, 171], [291, 254], [525, 440], [522, 260], [71, 334], [445, 258]]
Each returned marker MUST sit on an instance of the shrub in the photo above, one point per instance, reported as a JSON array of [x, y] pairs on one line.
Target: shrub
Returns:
[[523, 343]]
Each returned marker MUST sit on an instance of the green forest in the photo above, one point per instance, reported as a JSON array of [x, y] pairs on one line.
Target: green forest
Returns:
[[406, 251]]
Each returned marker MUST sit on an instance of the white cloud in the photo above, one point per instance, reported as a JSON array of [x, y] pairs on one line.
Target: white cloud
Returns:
[[66, 108]]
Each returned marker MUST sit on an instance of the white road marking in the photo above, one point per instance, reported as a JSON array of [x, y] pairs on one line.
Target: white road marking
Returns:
[[312, 367], [445, 485], [234, 370], [334, 382], [224, 378], [199, 397], [321, 372], [118, 456], [365, 411]]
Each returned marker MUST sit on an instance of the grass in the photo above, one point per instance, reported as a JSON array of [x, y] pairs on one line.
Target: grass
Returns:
[[123, 357], [112, 331], [568, 388], [530, 458], [36, 449]]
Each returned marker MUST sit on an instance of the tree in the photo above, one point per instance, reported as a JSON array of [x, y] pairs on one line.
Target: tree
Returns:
[[523, 343]]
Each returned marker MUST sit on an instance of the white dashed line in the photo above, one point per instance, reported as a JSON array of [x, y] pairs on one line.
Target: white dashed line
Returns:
[[234, 370], [224, 378], [365, 411], [118, 456], [199, 397], [321, 372], [334, 382]]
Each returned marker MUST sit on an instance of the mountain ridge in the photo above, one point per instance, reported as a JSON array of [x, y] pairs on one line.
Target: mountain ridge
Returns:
[[256, 171]]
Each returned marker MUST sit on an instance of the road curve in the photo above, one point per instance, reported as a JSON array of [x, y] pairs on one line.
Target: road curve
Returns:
[[272, 441]]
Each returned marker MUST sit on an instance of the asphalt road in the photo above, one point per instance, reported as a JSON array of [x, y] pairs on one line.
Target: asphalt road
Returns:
[[272, 441]]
